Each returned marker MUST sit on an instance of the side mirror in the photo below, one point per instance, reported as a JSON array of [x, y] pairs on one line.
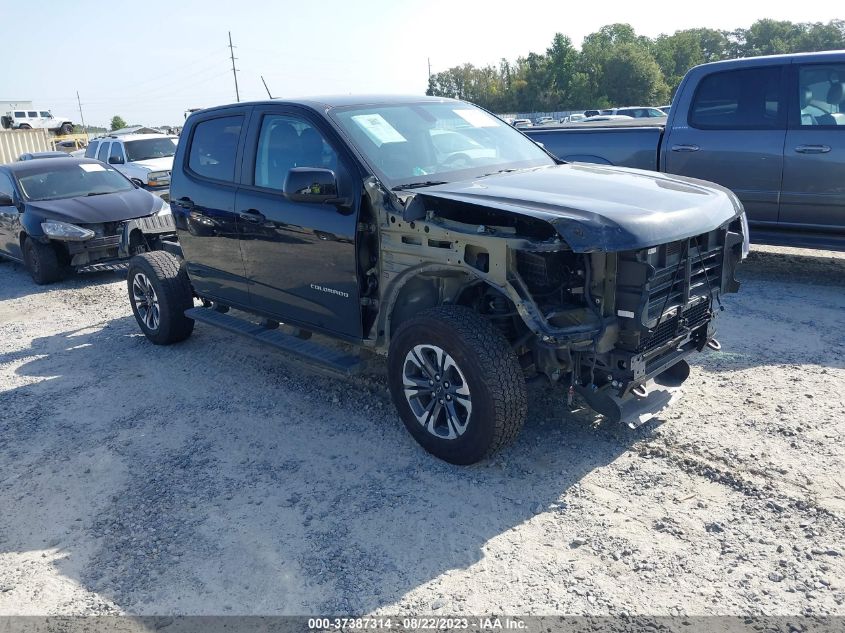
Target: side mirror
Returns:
[[6, 200], [310, 184], [116, 160]]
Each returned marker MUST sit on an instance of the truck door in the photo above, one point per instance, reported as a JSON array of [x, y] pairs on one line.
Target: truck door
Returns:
[[731, 131], [814, 154], [300, 257], [202, 198], [9, 220]]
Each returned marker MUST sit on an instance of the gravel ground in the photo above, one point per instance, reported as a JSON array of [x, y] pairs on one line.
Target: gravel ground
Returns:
[[212, 477]]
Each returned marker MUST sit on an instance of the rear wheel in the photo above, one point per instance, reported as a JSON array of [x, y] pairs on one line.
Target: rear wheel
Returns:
[[457, 384], [24, 126], [160, 292], [42, 262], [66, 129]]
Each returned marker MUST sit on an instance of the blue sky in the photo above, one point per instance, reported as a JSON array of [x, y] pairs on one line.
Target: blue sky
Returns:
[[150, 61]]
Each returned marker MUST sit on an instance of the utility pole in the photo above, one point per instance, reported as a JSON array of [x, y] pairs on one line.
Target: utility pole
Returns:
[[234, 70], [82, 118], [429, 69]]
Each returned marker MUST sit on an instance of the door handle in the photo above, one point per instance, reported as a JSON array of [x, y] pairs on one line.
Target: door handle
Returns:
[[186, 203], [252, 215], [685, 148], [813, 149]]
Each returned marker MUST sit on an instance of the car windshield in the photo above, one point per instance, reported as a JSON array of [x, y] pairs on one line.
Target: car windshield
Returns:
[[150, 148], [436, 142], [69, 179]]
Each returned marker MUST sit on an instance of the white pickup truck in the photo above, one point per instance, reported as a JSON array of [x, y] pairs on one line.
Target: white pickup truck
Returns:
[[146, 159], [35, 119]]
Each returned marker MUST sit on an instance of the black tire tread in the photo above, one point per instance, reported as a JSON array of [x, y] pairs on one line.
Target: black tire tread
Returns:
[[48, 259], [498, 366], [175, 297]]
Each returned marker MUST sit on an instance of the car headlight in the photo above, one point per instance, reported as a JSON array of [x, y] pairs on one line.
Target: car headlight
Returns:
[[158, 178], [64, 231], [746, 238], [164, 209]]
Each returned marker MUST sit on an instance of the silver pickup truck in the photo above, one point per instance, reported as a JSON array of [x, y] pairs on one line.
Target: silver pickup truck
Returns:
[[771, 129]]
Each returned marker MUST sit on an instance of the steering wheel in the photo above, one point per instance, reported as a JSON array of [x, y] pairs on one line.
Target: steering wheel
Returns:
[[457, 161]]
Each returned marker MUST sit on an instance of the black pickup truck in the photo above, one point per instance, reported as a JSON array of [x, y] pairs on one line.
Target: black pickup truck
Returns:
[[430, 232], [771, 129]]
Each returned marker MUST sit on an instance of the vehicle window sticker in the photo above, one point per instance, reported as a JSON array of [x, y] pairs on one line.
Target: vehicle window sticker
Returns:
[[378, 129], [91, 167], [477, 118]]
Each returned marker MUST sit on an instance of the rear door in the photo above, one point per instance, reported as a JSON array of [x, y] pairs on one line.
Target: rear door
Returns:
[[731, 131], [203, 203], [814, 155], [300, 257], [9, 220]]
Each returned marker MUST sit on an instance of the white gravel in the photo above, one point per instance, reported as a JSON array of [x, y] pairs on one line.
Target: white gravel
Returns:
[[212, 477]]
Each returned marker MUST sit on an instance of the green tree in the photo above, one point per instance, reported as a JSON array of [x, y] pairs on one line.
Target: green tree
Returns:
[[631, 77], [117, 123]]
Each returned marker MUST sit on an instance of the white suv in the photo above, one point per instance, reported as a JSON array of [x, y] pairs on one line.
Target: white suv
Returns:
[[34, 119], [146, 159]]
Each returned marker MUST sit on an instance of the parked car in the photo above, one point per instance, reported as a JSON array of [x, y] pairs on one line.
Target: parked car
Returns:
[[771, 129], [146, 159], [637, 112], [544, 120], [337, 217], [76, 214], [35, 119], [665, 109], [573, 118], [521, 123], [606, 117], [589, 113], [34, 155]]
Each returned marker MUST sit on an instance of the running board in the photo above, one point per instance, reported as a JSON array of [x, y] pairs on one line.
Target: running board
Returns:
[[104, 267], [300, 349]]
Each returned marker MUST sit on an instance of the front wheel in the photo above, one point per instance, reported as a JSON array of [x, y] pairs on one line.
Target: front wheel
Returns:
[[42, 262], [160, 292], [456, 383], [66, 129]]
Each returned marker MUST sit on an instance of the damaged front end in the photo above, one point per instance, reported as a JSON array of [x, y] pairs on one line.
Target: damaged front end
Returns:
[[613, 326], [114, 243]]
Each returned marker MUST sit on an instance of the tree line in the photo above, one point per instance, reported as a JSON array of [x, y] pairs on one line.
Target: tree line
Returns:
[[617, 67]]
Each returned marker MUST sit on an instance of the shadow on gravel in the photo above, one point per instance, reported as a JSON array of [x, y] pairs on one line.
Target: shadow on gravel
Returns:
[[15, 281], [816, 270], [208, 478]]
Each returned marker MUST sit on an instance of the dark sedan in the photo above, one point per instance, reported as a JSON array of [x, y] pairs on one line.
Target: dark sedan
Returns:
[[77, 214]]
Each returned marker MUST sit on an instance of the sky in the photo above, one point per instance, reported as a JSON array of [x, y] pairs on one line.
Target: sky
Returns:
[[149, 62]]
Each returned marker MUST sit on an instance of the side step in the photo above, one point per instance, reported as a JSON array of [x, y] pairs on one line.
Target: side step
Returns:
[[307, 351]]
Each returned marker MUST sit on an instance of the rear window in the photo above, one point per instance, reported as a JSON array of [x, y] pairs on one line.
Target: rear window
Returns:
[[20, 115], [91, 150], [214, 145], [739, 100], [33, 115]]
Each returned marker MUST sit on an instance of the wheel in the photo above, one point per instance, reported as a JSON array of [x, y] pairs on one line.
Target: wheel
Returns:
[[66, 128], [456, 383], [24, 126], [42, 262], [160, 292]]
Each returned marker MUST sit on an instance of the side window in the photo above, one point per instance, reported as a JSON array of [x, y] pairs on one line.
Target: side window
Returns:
[[745, 99], [214, 145], [46, 115], [116, 150], [286, 142], [91, 150], [20, 115], [33, 115], [821, 95], [103, 154]]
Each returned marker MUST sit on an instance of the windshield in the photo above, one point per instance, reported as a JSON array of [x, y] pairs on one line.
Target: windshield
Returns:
[[71, 180], [150, 148], [436, 142]]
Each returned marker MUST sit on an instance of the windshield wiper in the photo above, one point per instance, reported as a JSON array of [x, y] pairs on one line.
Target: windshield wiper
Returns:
[[98, 193], [415, 185], [501, 171]]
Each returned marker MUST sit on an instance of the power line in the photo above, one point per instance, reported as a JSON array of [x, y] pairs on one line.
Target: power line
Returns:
[[234, 70]]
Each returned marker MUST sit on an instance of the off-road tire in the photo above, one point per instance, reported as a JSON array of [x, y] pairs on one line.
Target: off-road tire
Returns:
[[66, 129], [24, 126], [169, 280], [492, 372], [42, 262]]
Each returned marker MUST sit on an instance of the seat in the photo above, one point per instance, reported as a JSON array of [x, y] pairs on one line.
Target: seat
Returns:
[[806, 96]]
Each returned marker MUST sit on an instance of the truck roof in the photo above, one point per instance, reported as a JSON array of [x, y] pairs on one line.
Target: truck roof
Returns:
[[824, 56], [338, 101]]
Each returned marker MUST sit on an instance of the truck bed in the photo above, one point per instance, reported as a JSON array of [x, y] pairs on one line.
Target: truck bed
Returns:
[[622, 143]]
